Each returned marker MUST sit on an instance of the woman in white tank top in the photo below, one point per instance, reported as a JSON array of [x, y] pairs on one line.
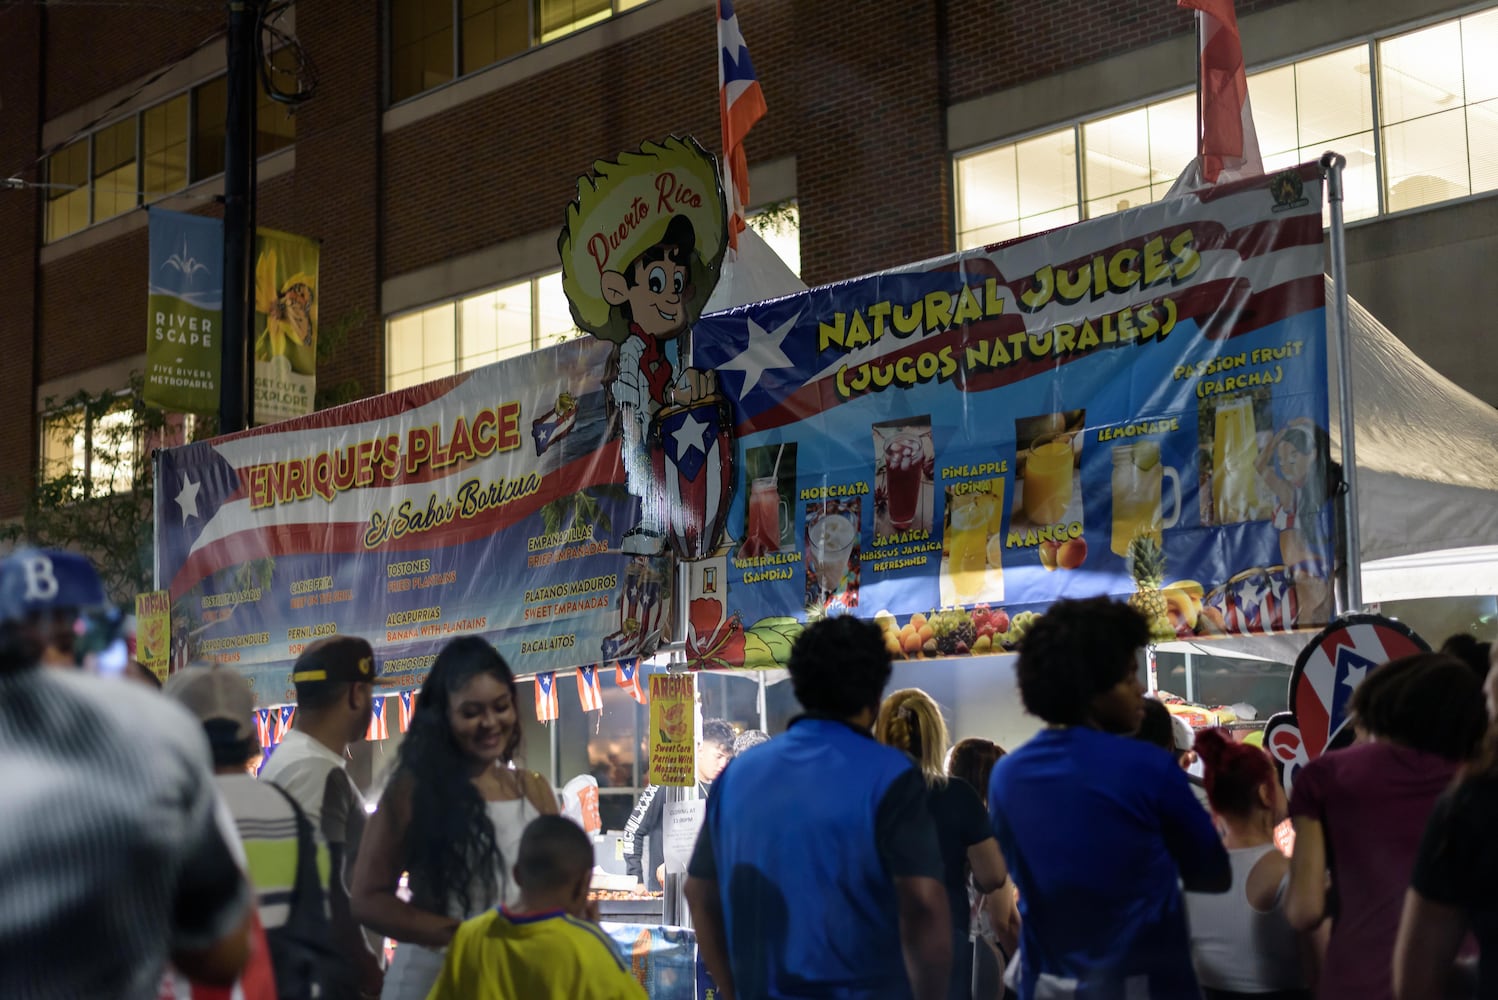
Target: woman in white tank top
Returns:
[[452, 815], [1241, 942]]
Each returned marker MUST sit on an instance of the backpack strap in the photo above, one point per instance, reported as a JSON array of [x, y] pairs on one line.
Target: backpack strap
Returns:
[[308, 883]]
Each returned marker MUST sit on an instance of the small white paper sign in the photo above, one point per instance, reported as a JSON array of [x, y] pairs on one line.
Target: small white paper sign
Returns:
[[679, 831]]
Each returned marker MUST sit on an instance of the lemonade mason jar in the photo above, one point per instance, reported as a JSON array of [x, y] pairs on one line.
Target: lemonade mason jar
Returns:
[[1138, 480]]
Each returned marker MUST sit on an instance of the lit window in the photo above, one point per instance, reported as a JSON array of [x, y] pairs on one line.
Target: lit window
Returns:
[[67, 190], [114, 170], [493, 30], [780, 228], [419, 346], [477, 330], [164, 148], [209, 106], [1016, 190], [556, 18], [99, 451]]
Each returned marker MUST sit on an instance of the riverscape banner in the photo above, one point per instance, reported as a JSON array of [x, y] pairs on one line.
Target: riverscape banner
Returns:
[[490, 503], [1134, 406], [184, 309]]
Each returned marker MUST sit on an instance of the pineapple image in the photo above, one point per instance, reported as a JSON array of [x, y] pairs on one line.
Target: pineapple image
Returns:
[[1147, 566]]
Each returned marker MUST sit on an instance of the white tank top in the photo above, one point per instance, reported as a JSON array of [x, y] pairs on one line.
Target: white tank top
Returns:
[[1234, 946]]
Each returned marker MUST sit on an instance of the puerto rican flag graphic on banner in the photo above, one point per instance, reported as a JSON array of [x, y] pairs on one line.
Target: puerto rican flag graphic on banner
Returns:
[[588, 692], [628, 676], [547, 706], [407, 706], [697, 470], [741, 103], [1228, 146]]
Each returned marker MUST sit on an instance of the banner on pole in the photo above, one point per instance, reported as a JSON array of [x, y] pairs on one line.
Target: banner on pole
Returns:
[[184, 311], [286, 295], [673, 730], [488, 503], [153, 632], [1134, 406]]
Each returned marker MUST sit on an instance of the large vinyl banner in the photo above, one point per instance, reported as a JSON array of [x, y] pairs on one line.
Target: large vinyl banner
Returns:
[[490, 503], [1134, 406]]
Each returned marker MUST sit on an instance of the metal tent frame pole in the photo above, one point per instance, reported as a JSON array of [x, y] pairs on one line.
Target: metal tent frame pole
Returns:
[[1350, 594]]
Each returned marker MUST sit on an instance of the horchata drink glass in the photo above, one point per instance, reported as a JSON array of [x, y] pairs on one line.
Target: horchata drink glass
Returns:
[[904, 464], [832, 539]]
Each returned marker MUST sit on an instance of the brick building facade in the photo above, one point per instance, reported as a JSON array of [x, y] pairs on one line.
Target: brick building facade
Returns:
[[461, 186]]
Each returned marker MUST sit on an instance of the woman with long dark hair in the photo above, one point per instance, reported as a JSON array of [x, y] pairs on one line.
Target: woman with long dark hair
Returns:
[[451, 817]]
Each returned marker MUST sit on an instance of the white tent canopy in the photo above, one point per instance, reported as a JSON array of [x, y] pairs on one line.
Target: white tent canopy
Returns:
[[1427, 473]]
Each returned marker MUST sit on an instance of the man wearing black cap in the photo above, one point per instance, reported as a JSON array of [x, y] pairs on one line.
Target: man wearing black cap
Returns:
[[111, 856], [334, 680]]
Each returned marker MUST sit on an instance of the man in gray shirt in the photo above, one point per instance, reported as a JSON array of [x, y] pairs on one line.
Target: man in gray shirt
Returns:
[[111, 857]]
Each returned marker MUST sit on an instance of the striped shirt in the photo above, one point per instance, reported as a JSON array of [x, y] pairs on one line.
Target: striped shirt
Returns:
[[267, 828], [110, 856]]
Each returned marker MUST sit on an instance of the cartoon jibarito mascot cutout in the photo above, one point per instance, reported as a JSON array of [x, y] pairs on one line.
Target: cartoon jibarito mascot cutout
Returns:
[[641, 251]]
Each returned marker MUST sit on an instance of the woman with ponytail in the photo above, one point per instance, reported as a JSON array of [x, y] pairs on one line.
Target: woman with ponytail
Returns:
[[452, 815], [1241, 942], [910, 721]]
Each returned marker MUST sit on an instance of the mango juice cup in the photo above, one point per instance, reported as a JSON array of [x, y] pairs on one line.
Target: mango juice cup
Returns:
[[1048, 479]]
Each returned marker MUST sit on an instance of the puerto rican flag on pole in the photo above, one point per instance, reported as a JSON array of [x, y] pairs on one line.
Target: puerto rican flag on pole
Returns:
[[379, 728], [588, 692], [741, 103], [1227, 145]]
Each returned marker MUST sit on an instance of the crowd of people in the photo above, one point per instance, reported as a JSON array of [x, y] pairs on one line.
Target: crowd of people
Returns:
[[857, 855]]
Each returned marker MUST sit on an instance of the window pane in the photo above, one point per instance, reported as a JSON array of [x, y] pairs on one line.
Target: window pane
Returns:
[[1421, 73], [1172, 133], [553, 315], [1482, 145], [495, 325], [1048, 173], [627, 4], [556, 18], [66, 171], [419, 346], [63, 451], [210, 102], [114, 170], [493, 30], [164, 146], [275, 125], [1426, 160], [1118, 201], [421, 46], [1116, 154], [1048, 220], [602, 745], [782, 233], [987, 197], [1272, 94], [1359, 178], [1334, 97], [112, 449], [1479, 48]]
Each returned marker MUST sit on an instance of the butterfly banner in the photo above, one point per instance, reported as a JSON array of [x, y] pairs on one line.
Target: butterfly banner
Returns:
[[184, 309], [285, 325]]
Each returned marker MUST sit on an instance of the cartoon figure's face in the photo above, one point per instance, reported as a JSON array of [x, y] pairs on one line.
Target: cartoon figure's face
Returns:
[[656, 292], [1295, 465]]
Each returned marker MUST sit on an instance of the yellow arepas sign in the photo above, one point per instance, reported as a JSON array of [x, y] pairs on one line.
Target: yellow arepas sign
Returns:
[[673, 730]]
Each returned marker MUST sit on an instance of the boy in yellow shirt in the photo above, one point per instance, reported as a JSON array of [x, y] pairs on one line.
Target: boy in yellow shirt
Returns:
[[549, 949]]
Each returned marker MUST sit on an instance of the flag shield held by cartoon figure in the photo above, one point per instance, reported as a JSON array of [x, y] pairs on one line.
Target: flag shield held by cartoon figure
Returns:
[[692, 447]]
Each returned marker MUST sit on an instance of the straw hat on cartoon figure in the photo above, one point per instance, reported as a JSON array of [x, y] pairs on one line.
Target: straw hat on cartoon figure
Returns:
[[643, 242]]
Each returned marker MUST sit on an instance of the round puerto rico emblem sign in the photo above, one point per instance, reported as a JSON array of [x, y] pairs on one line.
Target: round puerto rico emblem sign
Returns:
[[1328, 670]]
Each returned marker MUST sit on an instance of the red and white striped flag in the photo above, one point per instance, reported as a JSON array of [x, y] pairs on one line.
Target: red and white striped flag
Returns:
[[741, 103], [379, 728], [547, 708], [627, 675], [1227, 145], [587, 689]]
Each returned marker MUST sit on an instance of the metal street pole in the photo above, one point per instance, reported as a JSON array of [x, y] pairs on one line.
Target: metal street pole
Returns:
[[235, 397]]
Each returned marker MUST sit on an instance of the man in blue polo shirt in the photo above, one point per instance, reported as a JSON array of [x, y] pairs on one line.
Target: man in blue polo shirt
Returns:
[[817, 871]]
